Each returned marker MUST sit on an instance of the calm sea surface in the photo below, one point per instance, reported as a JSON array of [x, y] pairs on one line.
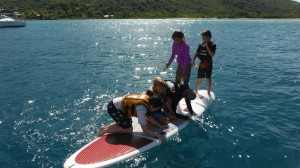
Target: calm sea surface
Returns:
[[56, 78]]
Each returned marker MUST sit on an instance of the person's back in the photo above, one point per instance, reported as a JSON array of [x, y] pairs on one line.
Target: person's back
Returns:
[[121, 109], [176, 92]]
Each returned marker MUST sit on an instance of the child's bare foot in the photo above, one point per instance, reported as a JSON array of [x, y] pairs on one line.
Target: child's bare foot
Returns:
[[208, 92], [200, 96], [101, 131], [196, 91]]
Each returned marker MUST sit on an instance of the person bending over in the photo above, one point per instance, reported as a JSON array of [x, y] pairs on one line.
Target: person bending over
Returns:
[[122, 109]]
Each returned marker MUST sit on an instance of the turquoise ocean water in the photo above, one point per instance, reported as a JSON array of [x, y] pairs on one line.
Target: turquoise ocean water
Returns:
[[56, 78]]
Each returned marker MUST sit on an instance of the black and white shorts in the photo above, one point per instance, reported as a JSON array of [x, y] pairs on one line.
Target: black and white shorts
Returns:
[[121, 118]]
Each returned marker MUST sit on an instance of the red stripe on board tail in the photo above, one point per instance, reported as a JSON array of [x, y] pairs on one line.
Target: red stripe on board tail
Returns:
[[109, 147]]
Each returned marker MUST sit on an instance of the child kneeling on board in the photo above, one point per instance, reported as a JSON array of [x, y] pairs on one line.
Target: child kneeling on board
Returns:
[[171, 93], [121, 109]]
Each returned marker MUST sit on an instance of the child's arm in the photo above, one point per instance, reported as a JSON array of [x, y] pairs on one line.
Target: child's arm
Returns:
[[171, 58], [151, 132], [195, 56], [153, 121], [194, 59], [209, 50], [169, 106]]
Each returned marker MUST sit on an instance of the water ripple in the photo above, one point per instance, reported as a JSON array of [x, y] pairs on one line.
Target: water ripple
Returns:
[[56, 78]]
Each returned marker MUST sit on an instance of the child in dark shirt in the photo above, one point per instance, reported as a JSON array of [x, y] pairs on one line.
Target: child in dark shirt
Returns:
[[205, 52]]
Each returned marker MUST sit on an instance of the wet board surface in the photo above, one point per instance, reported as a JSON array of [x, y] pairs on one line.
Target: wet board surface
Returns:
[[113, 148]]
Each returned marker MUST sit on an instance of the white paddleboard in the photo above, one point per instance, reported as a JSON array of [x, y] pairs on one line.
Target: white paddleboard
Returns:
[[113, 148]]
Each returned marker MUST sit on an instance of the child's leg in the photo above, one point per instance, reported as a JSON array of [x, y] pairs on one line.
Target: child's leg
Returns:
[[178, 74], [110, 125], [198, 83], [114, 128], [122, 121], [201, 74], [103, 129], [208, 80], [187, 75]]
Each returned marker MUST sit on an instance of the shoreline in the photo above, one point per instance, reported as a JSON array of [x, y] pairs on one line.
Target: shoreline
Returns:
[[283, 19]]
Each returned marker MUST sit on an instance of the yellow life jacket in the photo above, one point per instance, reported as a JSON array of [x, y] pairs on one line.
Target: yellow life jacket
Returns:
[[130, 102]]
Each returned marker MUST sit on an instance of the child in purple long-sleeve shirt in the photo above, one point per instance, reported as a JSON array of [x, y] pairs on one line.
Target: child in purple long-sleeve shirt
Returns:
[[181, 49]]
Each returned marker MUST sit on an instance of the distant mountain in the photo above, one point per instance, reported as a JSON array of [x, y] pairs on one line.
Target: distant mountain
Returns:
[[71, 9]]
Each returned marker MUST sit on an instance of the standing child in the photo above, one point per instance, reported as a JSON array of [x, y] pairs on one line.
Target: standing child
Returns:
[[205, 52], [181, 48]]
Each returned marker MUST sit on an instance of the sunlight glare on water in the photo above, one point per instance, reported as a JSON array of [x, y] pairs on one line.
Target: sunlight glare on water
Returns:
[[56, 78]]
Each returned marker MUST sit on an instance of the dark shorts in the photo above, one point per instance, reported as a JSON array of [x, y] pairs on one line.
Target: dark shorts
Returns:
[[121, 118], [205, 73]]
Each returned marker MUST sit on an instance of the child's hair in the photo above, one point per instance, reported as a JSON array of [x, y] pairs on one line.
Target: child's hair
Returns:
[[155, 101], [207, 33], [159, 81], [177, 34]]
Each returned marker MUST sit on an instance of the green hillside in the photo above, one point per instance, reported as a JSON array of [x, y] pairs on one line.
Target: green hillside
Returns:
[[78, 9]]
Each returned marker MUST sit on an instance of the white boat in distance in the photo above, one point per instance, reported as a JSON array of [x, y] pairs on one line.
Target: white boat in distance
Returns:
[[11, 22]]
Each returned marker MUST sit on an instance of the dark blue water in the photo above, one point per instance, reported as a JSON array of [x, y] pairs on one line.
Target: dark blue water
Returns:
[[56, 78]]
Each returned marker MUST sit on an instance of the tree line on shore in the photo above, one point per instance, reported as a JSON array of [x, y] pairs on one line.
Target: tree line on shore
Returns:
[[87, 9]]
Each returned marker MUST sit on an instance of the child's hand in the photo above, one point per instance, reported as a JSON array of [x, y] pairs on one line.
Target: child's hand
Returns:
[[166, 67], [162, 138], [186, 109], [164, 126]]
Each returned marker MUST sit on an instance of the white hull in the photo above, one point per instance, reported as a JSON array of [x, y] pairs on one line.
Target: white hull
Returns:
[[12, 23]]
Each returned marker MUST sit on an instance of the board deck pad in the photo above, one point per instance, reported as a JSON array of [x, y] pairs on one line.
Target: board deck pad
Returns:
[[113, 148], [110, 146]]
